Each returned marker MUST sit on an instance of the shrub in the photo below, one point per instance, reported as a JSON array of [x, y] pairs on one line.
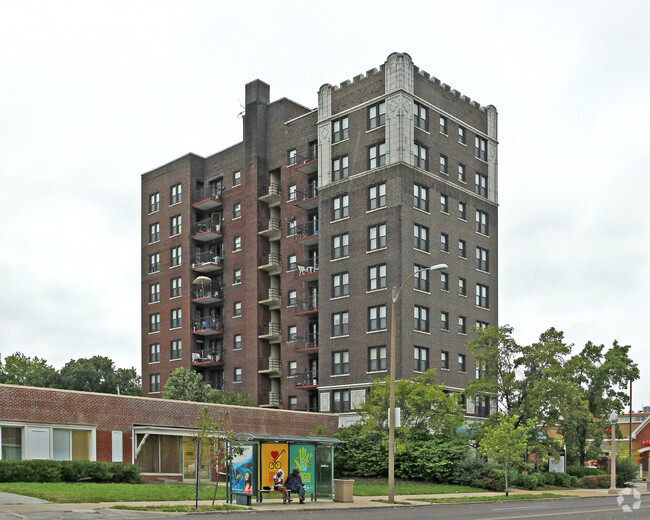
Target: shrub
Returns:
[[125, 473], [595, 481], [544, 478], [362, 455], [563, 479], [526, 481], [432, 460], [626, 471], [472, 472], [583, 471], [67, 471]]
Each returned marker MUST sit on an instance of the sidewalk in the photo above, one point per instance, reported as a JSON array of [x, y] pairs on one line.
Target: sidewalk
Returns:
[[17, 506]]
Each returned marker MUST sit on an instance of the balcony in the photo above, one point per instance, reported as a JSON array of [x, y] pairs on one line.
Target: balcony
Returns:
[[207, 230], [271, 367], [207, 358], [207, 262], [306, 268], [207, 326], [271, 195], [306, 343], [308, 306], [207, 293], [307, 165], [307, 380], [308, 199], [208, 198], [272, 400], [273, 300], [271, 263], [307, 233], [271, 229], [271, 332]]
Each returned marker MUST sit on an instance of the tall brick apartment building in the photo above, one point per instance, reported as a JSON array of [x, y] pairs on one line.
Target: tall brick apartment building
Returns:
[[268, 266]]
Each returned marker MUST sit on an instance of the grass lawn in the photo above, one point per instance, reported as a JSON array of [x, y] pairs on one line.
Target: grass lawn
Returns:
[[183, 509], [366, 487], [501, 498]]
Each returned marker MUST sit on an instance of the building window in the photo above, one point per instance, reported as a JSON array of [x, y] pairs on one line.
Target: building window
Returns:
[[462, 362], [461, 135], [480, 148], [154, 233], [482, 225], [341, 401], [421, 318], [340, 362], [420, 116], [176, 194], [236, 342], [175, 256], [292, 403], [420, 197], [175, 226], [376, 277], [376, 358], [481, 324], [421, 359], [462, 248], [340, 244], [176, 315], [291, 157], [236, 309], [176, 347], [236, 244], [154, 322], [293, 192], [420, 156], [421, 237], [340, 129], [312, 150], [176, 287], [462, 177], [154, 353], [154, 263], [340, 323], [480, 184], [444, 203], [376, 318], [236, 377], [444, 320], [154, 383], [444, 242], [462, 210], [443, 125], [292, 333], [462, 325], [236, 178], [340, 207], [443, 164], [377, 115], [236, 211], [462, 287], [444, 281], [340, 168], [421, 278], [376, 237], [444, 360], [377, 196], [482, 263], [482, 407], [291, 227], [291, 261], [292, 297], [154, 293], [236, 276], [376, 155], [340, 285], [154, 202], [482, 296], [292, 368]]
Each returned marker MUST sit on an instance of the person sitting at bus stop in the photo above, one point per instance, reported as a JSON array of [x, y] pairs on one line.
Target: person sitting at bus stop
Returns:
[[277, 485], [294, 483]]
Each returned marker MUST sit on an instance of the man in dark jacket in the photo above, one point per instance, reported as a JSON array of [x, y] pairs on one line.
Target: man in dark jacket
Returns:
[[294, 483]]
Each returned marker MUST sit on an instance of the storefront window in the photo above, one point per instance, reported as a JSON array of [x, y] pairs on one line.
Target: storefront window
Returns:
[[159, 454], [11, 439]]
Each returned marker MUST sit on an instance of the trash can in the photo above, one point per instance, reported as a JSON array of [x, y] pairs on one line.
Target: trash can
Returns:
[[243, 499], [343, 490]]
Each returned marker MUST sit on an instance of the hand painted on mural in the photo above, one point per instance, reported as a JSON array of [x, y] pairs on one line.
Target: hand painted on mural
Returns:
[[303, 461]]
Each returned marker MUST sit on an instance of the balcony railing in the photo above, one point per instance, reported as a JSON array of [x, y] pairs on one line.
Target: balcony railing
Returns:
[[207, 229], [307, 164], [271, 366], [207, 325], [273, 299], [208, 197], [307, 233], [271, 331], [271, 229], [306, 342], [307, 379], [307, 199], [272, 190], [307, 267], [207, 357], [272, 400], [271, 262], [307, 305], [212, 291]]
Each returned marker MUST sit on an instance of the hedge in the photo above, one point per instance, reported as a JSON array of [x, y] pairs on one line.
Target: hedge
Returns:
[[68, 471]]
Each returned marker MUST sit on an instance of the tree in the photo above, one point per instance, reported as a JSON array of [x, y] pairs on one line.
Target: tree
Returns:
[[505, 442], [98, 374], [184, 385], [19, 369], [232, 398]]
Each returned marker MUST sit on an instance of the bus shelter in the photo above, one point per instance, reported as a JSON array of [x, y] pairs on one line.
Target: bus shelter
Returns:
[[258, 457]]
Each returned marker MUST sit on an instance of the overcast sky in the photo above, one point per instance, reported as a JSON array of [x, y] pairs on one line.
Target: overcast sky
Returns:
[[93, 94]]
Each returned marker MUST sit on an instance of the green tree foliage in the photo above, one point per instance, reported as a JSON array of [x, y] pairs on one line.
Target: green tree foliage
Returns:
[[228, 397], [98, 374], [183, 385], [19, 369]]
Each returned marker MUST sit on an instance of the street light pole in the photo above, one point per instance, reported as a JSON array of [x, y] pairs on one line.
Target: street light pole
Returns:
[[391, 405], [613, 419]]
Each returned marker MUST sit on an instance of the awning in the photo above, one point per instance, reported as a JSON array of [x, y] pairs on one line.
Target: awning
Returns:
[[290, 439]]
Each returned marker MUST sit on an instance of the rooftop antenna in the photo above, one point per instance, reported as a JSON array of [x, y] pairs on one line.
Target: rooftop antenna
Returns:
[[243, 112]]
